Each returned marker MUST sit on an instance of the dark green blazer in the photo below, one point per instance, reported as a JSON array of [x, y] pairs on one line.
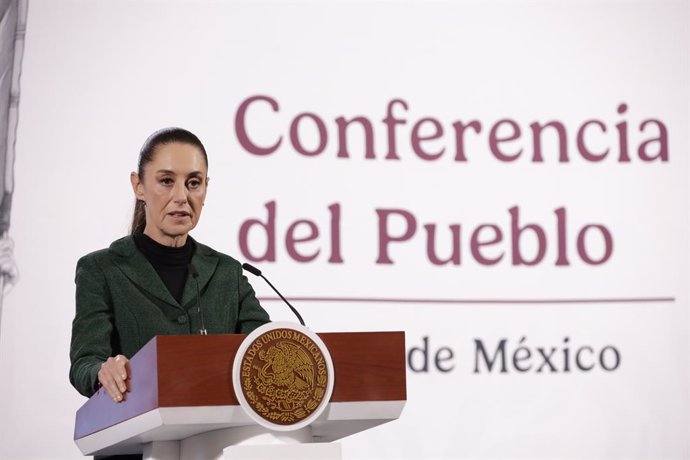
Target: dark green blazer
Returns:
[[121, 303]]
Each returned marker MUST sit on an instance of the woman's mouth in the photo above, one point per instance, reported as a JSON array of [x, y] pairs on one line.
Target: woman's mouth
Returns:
[[179, 214]]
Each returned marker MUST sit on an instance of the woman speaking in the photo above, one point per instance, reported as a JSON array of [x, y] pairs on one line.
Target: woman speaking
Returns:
[[145, 284]]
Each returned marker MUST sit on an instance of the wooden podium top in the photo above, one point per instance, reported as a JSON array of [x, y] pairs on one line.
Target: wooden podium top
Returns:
[[196, 371]]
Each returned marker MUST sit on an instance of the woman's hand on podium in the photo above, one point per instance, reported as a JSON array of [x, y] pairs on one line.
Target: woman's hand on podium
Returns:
[[113, 375]]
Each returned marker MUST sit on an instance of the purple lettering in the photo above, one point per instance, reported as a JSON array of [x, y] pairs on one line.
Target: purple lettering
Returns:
[[582, 247], [269, 227], [454, 257], [390, 121], [295, 139], [476, 244], [241, 129], [516, 234], [536, 140], [384, 236], [582, 148], [343, 124], [662, 140], [417, 139], [495, 140], [460, 137], [291, 240], [622, 128]]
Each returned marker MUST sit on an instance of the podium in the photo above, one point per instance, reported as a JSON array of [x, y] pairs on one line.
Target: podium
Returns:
[[181, 403]]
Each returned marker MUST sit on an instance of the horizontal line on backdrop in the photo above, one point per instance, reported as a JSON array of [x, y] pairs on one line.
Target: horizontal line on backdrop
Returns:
[[476, 301]]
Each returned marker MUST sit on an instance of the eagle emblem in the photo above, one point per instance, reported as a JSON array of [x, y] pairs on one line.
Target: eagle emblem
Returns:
[[284, 376], [287, 366]]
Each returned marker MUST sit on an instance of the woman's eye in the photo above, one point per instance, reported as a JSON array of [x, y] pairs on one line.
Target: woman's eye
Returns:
[[166, 181], [194, 183]]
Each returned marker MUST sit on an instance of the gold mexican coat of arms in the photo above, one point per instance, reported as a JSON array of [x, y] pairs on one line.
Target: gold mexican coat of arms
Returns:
[[283, 376]]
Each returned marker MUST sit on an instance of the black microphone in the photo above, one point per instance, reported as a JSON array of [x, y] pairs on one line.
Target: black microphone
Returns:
[[195, 274], [255, 271]]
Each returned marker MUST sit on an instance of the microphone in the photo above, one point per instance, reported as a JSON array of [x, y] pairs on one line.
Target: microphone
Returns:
[[256, 272], [195, 274]]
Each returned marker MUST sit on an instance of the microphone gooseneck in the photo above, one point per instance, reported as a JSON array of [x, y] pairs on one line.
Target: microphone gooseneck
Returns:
[[255, 271], [195, 274]]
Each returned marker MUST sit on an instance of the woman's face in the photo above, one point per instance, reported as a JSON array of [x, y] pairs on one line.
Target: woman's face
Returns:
[[173, 189]]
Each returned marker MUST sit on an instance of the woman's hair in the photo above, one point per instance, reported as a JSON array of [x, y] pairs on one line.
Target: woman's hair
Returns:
[[148, 150]]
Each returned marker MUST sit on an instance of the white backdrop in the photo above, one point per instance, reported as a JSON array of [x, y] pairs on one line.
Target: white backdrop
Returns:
[[98, 77]]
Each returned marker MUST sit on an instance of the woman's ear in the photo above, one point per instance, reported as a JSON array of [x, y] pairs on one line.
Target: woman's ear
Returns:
[[137, 186]]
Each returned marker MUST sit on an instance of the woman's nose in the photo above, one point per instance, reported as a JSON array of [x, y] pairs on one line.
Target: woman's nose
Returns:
[[180, 193]]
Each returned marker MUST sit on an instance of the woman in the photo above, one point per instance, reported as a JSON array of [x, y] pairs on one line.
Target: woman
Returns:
[[141, 286]]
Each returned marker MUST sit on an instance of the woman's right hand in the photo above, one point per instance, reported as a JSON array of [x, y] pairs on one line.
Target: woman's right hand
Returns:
[[113, 376]]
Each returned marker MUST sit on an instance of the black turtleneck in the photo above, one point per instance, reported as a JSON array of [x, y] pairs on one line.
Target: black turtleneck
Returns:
[[170, 263]]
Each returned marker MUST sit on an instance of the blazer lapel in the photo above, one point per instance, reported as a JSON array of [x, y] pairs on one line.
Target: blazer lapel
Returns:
[[205, 261], [135, 267]]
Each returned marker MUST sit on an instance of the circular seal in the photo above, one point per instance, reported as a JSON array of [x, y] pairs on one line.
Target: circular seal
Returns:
[[283, 376]]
